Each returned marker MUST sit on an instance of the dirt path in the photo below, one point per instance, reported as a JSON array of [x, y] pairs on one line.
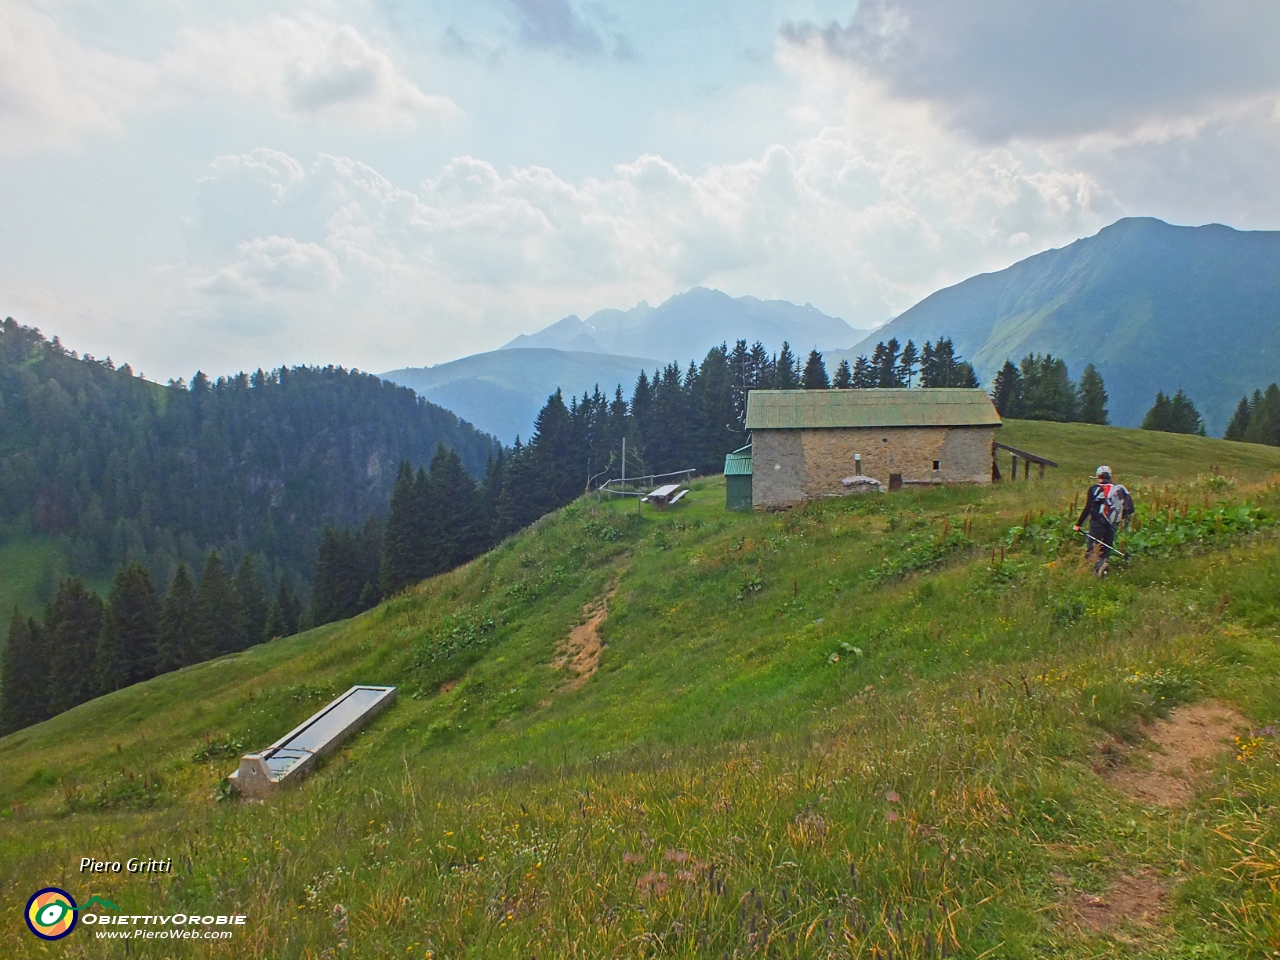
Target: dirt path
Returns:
[[1181, 749], [1138, 900], [1163, 772], [580, 652]]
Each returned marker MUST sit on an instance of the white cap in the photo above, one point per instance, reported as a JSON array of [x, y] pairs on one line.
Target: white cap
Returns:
[[1101, 470]]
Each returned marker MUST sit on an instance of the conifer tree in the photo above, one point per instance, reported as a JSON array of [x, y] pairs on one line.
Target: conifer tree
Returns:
[[550, 450], [336, 586], [179, 623], [402, 547], [24, 675], [884, 361], [844, 376], [1264, 417], [282, 621], [786, 373], [1176, 414], [252, 613], [1006, 392], [73, 625], [1093, 396], [907, 364], [216, 611], [815, 373], [1047, 390], [1239, 424], [127, 648], [864, 374]]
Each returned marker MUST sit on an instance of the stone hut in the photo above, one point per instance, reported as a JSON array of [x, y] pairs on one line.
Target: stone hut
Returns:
[[806, 442]]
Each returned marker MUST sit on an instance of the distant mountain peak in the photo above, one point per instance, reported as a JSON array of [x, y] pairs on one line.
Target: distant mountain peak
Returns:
[[688, 324], [1153, 305]]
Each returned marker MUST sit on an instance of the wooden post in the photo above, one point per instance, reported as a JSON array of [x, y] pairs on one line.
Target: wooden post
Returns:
[[1042, 471], [1014, 473], [1026, 469]]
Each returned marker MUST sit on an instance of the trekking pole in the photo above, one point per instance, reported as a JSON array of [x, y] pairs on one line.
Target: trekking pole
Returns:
[[1106, 545]]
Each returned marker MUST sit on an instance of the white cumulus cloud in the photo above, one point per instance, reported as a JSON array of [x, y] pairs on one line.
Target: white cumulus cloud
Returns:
[[55, 89]]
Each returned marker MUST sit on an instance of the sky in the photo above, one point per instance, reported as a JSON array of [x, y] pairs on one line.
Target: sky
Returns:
[[384, 183]]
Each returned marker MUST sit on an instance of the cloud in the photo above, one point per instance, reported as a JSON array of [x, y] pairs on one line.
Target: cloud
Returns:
[[275, 264], [858, 226], [1003, 68], [555, 25], [54, 89], [302, 66]]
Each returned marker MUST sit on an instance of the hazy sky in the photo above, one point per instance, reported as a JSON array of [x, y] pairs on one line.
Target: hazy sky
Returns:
[[378, 184]]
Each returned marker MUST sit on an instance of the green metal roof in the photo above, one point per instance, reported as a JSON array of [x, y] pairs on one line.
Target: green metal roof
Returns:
[[738, 463], [880, 407]]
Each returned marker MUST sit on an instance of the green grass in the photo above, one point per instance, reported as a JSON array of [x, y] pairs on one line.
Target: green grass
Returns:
[[861, 725]]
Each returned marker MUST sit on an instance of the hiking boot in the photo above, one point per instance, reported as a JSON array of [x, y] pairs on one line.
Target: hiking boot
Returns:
[[1101, 569]]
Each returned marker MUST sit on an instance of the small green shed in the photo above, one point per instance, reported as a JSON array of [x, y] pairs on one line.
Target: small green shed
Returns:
[[737, 479]]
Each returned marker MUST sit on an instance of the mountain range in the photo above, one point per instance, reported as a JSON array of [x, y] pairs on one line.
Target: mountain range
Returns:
[[502, 391], [1155, 307], [689, 324]]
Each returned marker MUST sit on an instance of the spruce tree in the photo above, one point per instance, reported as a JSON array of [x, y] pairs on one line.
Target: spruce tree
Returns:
[[786, 373], [884, 362], [864, 374], [179, 623], [73, 626], [1006, 392], [815, 373], [401, 547], [907, 364], [24, 675], [216, 612], [252, 613], [844, 376], [1264, 419], [1093, 397], [127, 649], [335, 588], [1047, 390], [1239, 424], [1176, 414]]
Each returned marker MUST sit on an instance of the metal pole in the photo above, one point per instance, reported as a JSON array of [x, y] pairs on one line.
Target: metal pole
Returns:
[[624, 464]]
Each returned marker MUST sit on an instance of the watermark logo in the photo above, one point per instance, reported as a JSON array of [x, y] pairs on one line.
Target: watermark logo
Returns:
[[51, 913]]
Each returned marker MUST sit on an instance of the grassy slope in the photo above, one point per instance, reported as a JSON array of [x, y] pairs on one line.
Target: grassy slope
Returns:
[[504, 817]]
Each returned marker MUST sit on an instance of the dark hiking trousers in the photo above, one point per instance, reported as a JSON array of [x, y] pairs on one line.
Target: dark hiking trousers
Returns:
[[1103, 535]]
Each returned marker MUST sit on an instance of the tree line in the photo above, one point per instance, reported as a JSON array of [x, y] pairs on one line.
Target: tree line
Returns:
[[83, 646], [1257, 418], [1040, 388]]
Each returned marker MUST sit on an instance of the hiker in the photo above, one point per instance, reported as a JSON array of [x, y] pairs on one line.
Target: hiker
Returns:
[[1106, 506]]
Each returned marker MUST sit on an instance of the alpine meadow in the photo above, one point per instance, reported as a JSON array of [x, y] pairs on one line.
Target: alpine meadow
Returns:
[[907, 725], [587, 480]]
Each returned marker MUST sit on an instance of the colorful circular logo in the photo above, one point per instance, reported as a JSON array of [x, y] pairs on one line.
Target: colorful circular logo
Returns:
[[51, 913]]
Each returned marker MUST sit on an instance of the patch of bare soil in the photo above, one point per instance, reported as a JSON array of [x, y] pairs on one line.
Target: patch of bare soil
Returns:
[[1138, 900], [580, 652], [1180, 749]]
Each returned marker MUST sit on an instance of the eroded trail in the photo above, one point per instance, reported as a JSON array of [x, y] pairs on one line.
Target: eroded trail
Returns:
[[1181, 750], [580, 651]]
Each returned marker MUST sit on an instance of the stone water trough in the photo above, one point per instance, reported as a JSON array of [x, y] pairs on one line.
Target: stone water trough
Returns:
[[291, 757]]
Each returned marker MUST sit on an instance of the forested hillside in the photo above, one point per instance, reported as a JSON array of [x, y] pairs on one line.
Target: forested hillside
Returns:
[[99, 465]]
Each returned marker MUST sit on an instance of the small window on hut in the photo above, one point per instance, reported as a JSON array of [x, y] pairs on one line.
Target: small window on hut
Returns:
[[937, 464]]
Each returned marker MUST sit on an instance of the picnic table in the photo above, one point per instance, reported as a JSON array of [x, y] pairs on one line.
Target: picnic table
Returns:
[[665, 495]]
